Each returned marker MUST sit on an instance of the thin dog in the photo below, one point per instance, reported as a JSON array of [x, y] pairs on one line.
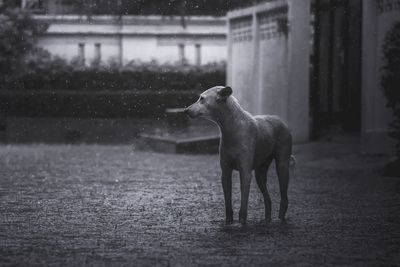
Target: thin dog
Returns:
[[247, 143]]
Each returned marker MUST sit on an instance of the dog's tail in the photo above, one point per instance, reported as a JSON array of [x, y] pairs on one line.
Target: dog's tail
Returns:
[[292, 164]]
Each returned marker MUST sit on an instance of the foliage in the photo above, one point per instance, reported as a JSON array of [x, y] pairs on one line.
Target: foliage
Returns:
[[17, 37], [391, 78], [45, 73], [156, 7], [180, 7], [51, 87], [143, 104]]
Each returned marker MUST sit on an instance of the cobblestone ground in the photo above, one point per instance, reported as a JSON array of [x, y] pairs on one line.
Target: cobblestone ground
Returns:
[[113, 205]]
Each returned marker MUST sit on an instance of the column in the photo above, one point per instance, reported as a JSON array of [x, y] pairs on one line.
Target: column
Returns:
[[181, 48], [299, 69], [198, 54]]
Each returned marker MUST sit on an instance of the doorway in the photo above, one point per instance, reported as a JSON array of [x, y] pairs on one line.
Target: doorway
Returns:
[[335, 93]]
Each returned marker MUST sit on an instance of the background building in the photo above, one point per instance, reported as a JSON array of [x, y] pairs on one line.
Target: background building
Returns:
[[166, 31], [122, 39], [323, 79]]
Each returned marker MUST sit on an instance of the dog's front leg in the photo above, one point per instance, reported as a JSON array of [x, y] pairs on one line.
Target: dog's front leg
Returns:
[[226, 178], [245, 179]]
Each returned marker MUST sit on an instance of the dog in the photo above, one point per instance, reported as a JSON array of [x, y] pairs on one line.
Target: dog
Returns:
[[247, 143]]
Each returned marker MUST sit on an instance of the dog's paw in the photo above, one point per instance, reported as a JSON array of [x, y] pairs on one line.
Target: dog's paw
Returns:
[[282, 210], [228, 217]]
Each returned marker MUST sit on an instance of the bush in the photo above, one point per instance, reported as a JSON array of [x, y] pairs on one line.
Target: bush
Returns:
[[42, 72], [153, 7], [18, 33], [144, 104], [51, 87], [391, 79]]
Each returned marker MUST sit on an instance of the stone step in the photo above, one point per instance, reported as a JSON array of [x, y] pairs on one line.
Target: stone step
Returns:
[[177, 145], [176, 118]]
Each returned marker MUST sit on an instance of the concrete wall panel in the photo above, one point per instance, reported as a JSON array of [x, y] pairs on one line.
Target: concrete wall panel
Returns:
[[268, 61]]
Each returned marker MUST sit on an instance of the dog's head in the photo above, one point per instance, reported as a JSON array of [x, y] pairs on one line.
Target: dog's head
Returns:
[[209, 103]]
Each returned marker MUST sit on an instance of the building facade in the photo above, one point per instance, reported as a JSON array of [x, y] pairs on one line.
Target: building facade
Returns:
[[194, 40], [317, 64], [268, 61]]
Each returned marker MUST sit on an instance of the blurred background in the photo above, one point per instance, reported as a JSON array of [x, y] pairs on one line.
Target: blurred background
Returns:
[[106, 71]]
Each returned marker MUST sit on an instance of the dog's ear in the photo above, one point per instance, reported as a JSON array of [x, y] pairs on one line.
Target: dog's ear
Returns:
[[225, 92]]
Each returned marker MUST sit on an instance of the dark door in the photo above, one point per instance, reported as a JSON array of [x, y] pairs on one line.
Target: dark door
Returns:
[[336, 67]]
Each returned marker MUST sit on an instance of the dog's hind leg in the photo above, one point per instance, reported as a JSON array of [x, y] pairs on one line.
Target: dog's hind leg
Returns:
[[282, 167], [261, 178]]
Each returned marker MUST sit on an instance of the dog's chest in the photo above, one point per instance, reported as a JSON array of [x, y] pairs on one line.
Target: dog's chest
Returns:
[[235, 154]]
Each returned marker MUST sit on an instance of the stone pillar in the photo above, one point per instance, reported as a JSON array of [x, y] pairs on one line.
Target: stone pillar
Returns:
[[97, 52], [299, 69], [121, 47], [81, 53], [181, 50], [198, 54], [377, 21]]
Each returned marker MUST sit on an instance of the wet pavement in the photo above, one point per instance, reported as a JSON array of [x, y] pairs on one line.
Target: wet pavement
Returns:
[[115, 205]]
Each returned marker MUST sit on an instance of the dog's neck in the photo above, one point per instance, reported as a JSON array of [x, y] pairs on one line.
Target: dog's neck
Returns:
[[232, 116]]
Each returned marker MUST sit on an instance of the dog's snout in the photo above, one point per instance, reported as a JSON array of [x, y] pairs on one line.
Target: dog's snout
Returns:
[[188, 112]]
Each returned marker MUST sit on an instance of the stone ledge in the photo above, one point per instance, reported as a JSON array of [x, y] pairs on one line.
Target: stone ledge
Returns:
[[175, 145]]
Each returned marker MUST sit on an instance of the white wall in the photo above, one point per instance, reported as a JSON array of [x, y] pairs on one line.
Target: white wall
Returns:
[[268, 65], [142, 48], [66, 46], [135, 38], [212, 53]]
